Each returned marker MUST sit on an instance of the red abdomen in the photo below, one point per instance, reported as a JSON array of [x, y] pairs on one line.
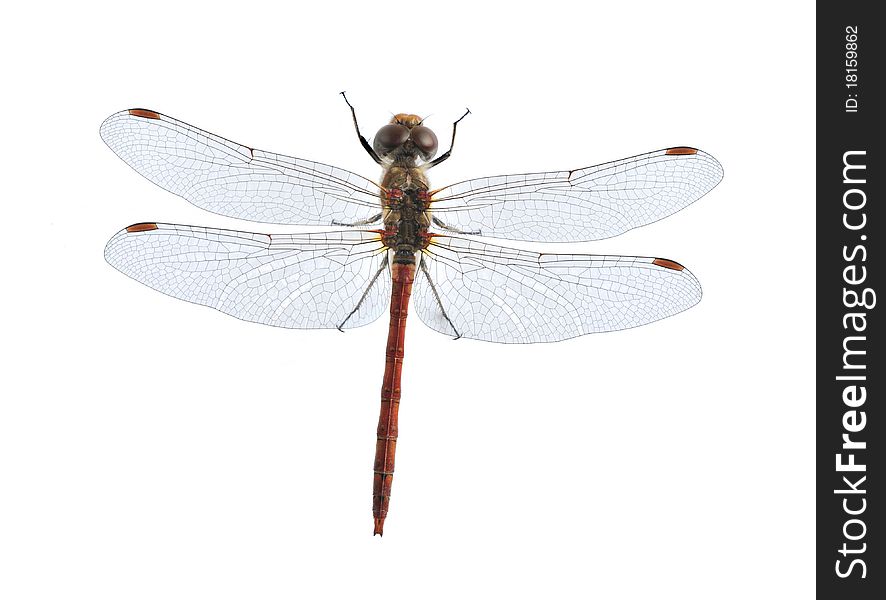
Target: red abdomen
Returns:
[[402, 274]]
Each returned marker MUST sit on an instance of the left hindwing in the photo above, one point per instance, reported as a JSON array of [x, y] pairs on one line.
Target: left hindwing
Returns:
[[301, 281]]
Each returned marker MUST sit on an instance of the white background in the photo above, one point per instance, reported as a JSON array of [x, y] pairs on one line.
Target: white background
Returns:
[[151, 448]]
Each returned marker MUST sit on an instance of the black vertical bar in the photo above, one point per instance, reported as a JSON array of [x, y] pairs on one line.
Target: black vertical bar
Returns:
[[851, 225]]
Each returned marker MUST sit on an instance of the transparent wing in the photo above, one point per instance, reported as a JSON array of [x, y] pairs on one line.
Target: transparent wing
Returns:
[[582, 205], [302, 281], [234, 180], [484, 292]]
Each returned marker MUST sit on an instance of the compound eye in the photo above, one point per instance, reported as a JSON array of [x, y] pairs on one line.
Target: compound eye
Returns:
[[389, 137], [425, 140]]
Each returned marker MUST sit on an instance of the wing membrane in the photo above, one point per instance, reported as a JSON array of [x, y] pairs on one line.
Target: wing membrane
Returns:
[[234, 180], [582, 205], [499, 294], [301, 281]]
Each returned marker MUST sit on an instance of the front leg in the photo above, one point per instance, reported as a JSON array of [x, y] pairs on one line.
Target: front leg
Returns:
[[448, 153], [363, 141]]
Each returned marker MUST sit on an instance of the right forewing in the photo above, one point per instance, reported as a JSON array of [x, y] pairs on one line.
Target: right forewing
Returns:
[[580, 205]]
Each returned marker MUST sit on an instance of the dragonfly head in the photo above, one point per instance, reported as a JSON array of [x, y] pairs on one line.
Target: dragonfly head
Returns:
[[405, 136]]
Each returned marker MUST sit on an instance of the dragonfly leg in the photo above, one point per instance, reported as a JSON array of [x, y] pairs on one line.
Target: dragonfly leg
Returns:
[[363, 141], [443, 225], [448, 153], [384, 265], [424, 269], [369, 221]]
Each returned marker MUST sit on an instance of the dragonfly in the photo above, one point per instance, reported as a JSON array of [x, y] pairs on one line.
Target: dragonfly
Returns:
[[384, 243]]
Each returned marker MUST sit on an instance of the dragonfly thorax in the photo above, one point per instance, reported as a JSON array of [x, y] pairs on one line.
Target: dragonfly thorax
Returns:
[[406, 219]]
